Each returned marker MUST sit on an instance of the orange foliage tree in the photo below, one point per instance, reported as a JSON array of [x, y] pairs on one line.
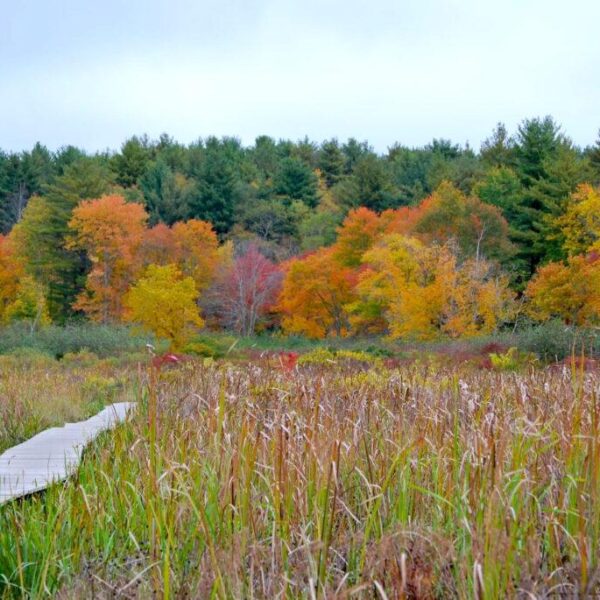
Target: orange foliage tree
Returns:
[[315, 293], [21, 297], [10, 274], [110, 230], [192, 245], [357, 234], [157, 246], [568, 291]]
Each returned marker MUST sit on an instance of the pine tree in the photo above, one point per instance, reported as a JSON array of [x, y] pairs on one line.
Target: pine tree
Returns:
[[331, 162]]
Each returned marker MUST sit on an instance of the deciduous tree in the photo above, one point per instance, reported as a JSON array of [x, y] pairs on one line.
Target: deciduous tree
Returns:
[[315, 293], [248, 290], [109, 230], [163, 302], [568, 291]]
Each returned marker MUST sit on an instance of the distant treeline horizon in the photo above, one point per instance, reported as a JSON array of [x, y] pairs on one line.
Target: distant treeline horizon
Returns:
[[526, 200]]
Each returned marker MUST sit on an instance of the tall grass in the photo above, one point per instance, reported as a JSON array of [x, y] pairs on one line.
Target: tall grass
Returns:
[[338, 480], [37, 391]]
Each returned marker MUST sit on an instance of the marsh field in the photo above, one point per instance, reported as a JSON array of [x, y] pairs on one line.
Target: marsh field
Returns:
[[323, 474]]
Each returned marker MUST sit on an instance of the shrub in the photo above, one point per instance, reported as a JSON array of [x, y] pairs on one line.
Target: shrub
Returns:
[[511, 360], [200, 349], [102, 340], [554, 340], [325, 355], [99, 391]]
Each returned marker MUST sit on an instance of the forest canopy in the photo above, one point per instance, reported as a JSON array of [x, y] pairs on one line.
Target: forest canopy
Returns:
[[319, 238]]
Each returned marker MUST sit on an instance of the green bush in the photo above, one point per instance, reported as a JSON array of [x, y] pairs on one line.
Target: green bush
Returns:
[[554, 340], [200, 349], [210, 346], [102, 340], [326, 355], [512, 360]]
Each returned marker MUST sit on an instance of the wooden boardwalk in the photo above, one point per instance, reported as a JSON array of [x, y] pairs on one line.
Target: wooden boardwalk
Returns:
[[54, 454]]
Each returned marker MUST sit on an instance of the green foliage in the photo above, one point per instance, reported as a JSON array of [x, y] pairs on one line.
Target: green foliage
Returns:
[[165, 196], [294, 180], [215, 198], [57, 341], [322, 355], [553, 340], [131, 163], [98, 391], [511, 360]]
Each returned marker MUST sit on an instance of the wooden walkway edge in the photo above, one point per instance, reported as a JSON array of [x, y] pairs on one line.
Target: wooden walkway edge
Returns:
[[54, 454]]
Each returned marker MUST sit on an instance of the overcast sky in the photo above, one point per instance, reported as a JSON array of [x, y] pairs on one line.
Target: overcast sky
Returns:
[[93, 72]]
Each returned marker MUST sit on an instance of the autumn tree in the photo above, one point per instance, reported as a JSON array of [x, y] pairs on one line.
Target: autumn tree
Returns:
[[580, 225], [40, 236], [109, 230], [479, 229], [21, 297], [356, 235], [11, 272], [568, 291], [196, 250], [316, 290], [163, 302], [156, 247], [422, 292], [248, 290]]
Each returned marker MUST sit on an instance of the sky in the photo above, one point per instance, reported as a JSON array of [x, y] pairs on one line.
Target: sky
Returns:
[[91, 73]]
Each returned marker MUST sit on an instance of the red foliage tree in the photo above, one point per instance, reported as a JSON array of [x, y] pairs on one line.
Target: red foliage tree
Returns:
[[247, 291]]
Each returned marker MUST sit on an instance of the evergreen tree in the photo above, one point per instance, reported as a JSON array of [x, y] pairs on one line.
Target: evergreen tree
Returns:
[[215, 197], [353, 151], [593, 153], [537, 144], [132, 161], [166, 194], [409, 171], [22, 176], [369, 185], [498, 149], [331, 162], [294, 180]]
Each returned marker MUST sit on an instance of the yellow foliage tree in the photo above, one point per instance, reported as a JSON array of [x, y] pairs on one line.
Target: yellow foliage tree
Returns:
[[21, 297], [196, 251], [420, 292], [580, 225], [163, 302]]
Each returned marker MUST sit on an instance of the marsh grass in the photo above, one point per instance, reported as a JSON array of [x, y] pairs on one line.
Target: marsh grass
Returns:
[[37, 391], [340, 480]]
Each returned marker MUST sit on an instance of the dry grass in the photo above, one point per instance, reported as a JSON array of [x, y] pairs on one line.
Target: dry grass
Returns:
[[37, 392], [341, 480]]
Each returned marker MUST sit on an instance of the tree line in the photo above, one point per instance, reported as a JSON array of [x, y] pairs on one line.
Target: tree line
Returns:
[[320, 239]]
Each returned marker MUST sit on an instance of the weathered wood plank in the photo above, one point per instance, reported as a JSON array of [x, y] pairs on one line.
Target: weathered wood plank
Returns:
[[54, 454]]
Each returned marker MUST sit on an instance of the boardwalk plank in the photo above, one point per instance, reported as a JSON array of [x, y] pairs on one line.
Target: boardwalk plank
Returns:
[[54, 454]]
